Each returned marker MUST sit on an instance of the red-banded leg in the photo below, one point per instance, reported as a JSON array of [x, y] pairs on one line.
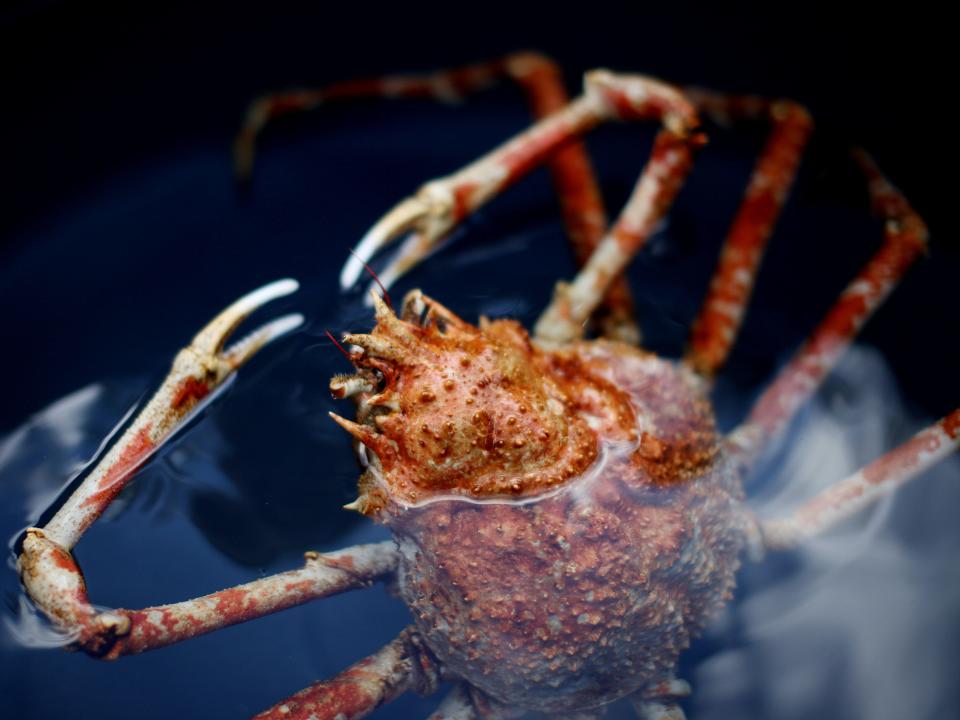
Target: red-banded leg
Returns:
[[55, 583], [573, 304], [905, 238], [398, 667], [541, 81], [715, 329], [441, 204], [52, 577], [852, 494]]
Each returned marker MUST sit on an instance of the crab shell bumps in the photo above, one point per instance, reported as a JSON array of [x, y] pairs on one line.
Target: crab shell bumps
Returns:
[[567, 516]]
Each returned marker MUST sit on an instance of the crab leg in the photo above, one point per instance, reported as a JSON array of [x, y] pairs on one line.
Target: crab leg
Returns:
[[541, 81], [54, 581], [715, 329], [905, 238], [198, 370], [441, 204], [51, 575], [538, 77], [865, 486], [455, 706], [360, 689], [574, 303]]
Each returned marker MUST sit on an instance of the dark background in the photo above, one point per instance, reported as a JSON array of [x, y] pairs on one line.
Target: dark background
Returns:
[[122, 232], [93, 89]]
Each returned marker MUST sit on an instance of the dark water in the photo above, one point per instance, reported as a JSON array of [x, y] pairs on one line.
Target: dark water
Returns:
[[863, 624]]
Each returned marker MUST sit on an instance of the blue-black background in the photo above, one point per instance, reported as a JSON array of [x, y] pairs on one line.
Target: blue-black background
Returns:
[[122, 232]]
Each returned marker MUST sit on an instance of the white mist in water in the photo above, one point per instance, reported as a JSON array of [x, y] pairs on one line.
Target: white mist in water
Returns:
[[865, 624], [54, 434]]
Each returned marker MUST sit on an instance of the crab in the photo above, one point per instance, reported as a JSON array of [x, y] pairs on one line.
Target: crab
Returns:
[[566, 515]]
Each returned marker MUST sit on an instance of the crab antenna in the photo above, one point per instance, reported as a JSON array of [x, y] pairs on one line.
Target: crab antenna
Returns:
[[339, 346], [383, 289]]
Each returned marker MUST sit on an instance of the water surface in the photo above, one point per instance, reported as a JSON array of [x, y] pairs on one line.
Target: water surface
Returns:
[[863, 624]]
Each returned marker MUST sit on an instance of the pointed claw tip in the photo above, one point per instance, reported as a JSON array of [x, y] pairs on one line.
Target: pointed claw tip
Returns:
[[404, 216], [261, 296], [242, 350], [286, 323], [284, 286], [354, 505]]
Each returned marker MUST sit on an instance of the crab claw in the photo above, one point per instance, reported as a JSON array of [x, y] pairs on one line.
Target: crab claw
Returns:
[[205, 364], [211, 339], [427, 217], [198, 371]]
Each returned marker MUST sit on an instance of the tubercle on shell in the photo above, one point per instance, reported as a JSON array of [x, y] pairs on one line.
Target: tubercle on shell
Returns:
[[446, 408]]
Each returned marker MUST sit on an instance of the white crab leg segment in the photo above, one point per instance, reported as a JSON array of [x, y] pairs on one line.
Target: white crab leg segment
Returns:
[[56, 584], [356, 692], [198, 370], [865, 486], [455, 706]]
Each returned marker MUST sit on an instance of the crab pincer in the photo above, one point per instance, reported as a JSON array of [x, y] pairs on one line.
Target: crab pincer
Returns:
[[203, 367]]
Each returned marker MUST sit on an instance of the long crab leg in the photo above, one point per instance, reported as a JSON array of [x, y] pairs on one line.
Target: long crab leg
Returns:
[[574, 303], [400, 666], [865, 486], [198, 371], [905, 239], [541, 81], [55, 583], [52, 577], [441, 204], [715, 329]]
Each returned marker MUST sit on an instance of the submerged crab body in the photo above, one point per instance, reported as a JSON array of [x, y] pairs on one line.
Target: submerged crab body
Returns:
[[577, 584], [571, 602]]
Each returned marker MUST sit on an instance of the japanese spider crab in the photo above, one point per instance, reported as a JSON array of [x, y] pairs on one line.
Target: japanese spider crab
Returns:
[[566, 516]]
